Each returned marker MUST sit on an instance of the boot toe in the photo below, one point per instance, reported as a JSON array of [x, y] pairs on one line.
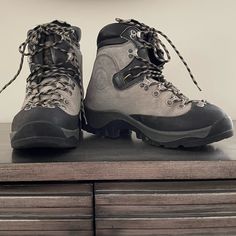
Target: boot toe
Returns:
[[196, 118], [54, 116], [44, 127]]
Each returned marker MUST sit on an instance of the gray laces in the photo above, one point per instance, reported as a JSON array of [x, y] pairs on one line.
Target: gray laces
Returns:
[[52, 96], [152, 70]]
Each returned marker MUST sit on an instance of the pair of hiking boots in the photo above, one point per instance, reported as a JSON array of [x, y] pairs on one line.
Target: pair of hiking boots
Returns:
[[127, 91]]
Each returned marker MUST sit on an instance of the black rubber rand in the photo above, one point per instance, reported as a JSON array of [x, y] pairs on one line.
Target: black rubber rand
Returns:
[[120, 127], [45, 127], [41, 134]]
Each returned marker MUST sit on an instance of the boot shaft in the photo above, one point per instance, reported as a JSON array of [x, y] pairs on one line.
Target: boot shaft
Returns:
[[127, 73], [55, 44], [119, 42], [148, 50]]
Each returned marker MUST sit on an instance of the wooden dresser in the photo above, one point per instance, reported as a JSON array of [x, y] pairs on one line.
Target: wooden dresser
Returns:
[[118, 187]]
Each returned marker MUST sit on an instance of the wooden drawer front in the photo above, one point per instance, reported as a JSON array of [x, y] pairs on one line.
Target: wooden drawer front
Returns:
[[45, 209], [166, 208]]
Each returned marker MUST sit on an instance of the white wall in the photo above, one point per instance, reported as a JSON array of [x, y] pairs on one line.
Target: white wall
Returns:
[[203, 30]]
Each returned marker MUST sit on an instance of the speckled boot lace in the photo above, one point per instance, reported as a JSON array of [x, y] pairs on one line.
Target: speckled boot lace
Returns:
[[152, 70], [59, 77]]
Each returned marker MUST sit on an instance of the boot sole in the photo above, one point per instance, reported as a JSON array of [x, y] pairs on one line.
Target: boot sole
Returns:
[[43, 134], [115, 125]]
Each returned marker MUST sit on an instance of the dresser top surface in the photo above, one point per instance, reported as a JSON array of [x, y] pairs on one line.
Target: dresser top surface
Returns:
[[93, 148], [97, 159]]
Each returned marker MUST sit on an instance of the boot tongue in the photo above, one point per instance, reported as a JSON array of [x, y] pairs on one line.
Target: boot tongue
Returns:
[[51, 56], [159, 60]]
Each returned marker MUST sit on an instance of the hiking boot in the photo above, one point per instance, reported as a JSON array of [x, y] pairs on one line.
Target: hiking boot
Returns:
[[53, 106], [128, 92]]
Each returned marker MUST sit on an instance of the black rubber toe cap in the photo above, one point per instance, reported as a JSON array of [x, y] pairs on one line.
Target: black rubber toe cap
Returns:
[[196, 118], [222, 126], [55, 116]]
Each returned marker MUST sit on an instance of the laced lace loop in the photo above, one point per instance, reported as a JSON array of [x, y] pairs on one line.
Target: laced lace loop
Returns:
[[161, 53], [39, 97]]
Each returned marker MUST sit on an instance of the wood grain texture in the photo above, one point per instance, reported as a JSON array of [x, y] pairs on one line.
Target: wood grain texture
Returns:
[[45, 195], [166, 198], [66, 189], [166, 223], [146, 170], [46, 233], [231, 231], [46, 224], [49, 213], [166, 208], [166, 186], [43, 201], [66, 207]]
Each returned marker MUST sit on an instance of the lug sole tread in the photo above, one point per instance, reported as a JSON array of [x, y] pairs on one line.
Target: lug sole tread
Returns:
[[110, 131]]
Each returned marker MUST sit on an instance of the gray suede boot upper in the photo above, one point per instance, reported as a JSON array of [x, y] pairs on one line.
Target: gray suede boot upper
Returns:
[[127, 91]]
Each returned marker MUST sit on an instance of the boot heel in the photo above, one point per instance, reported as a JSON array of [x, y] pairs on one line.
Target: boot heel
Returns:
[[109, 127], [109, 131], [114, 132]]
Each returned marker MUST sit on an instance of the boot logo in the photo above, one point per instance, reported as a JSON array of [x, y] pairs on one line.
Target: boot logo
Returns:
[[101, 78]]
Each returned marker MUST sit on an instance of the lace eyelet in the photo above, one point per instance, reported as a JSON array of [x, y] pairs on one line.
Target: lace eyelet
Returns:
[[33, 105], [50, 105], [141, 85], [156, 93], [27, 107], [169, 102], [66, 101], [145, 87]]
